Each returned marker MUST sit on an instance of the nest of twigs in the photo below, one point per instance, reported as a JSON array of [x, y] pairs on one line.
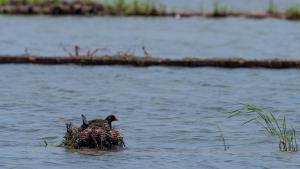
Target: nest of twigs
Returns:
[[92, 137]]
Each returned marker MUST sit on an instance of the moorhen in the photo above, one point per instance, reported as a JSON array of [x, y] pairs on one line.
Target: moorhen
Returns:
[[103, 123]]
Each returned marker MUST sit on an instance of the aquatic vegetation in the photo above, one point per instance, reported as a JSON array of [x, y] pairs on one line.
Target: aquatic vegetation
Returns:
[[272, 126], [135, 7], [118, 5], [84, 7], [272, 8], [30, 2], [220, 10], [35, 2], [45, 143], [146, 53], [4, 2], [201, 6], [89, 52], [293, 12], [226, 147], [131, 51], [162, 8]]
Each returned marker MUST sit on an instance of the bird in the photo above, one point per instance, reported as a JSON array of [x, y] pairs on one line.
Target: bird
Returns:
[[102, 123]]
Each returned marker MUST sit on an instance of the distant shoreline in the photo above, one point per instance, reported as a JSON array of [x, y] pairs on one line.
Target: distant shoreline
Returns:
[[135, 61], [134, 8]]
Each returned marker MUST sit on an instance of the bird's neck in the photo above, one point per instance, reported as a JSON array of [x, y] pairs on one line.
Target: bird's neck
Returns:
[[109, 124]]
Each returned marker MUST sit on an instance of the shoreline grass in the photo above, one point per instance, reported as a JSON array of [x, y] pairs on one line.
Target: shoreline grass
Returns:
[[272, 8], [138, 8], [220, 10], [293, 12], [84, 7]]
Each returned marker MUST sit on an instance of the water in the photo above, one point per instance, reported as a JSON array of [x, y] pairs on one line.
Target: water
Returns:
[[163, 37], [163, 126], [168, 115]]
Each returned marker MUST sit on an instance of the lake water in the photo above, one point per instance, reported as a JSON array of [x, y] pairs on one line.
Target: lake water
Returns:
[[169, 116], [163, 37]]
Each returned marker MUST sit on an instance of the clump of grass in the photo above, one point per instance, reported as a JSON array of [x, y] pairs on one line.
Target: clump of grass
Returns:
[[118, 5], [40, 2], [288, 140], [136, 7], [272, 8], [115, 7], [35, 2], [83, 1], [162, 8], [201, 6], [4, 2], [293, 12], [220, 10], [271, 124], [30, 2]]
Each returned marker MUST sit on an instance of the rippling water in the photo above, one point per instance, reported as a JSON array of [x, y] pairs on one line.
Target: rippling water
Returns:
[[163, 37], [168, 115]]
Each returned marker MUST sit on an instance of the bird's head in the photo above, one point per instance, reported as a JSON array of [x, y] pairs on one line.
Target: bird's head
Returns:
[[111, 118]]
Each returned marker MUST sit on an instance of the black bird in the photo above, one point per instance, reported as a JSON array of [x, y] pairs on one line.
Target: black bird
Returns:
[[103, 123]]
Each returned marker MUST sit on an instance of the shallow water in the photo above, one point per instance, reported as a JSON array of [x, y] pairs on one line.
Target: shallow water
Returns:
[[168, 115], [163, 37], [164, 127]]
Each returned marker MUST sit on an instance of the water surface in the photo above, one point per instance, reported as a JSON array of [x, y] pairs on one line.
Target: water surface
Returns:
[[168, 115], [163, 37]]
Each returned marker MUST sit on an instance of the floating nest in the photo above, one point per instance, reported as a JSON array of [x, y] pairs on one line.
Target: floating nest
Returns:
[[94, 137]]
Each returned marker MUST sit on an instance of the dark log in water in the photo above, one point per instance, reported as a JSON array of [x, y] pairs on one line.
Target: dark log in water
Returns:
[[150, 61]]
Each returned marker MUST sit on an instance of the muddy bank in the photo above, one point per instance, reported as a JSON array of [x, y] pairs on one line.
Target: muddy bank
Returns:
[[150, 61], [134, 8]]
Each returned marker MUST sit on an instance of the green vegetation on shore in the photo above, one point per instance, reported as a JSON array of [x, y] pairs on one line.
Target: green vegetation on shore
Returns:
[[116, 7], [137, 7], [293, 12], [32, 2], [4, 2], [219, 10], [272, 8], [44, 1]]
